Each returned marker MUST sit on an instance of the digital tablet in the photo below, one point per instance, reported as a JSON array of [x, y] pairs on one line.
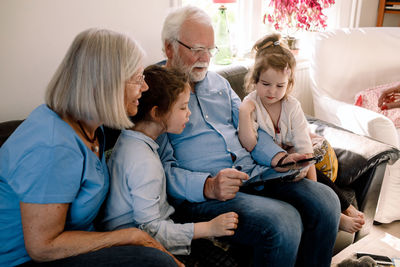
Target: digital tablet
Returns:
[[271, 174], [301, 163], [294, 170]]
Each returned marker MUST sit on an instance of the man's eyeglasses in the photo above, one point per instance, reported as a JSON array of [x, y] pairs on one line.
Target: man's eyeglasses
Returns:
[[198, 51], [138, 80]]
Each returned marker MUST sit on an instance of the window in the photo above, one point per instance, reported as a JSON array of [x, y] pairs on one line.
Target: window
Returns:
[[246, 19]]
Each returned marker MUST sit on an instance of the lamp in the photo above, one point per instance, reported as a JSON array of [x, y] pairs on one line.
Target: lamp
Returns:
[[224, 1], [223, 38]]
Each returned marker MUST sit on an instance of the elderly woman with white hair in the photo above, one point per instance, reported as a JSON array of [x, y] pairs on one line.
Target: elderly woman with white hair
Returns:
[[53, 175]]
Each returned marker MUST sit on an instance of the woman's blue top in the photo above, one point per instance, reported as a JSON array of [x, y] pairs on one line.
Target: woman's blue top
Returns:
[[44, 161]]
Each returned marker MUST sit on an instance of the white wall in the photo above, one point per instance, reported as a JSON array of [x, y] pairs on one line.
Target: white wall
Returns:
[[368, 13], [35, 35]]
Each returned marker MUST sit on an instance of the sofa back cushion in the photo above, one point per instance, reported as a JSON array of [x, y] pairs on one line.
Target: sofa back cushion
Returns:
[[235, 75], [346, 61]]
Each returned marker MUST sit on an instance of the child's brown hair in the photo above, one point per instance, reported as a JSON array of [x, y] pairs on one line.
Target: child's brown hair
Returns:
[[165, 85], [271, 52]]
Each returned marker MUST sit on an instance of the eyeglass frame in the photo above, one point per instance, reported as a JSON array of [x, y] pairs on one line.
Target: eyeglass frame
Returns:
[[199, 50], [139, 80]]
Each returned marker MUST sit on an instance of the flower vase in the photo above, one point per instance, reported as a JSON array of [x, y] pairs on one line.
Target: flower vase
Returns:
[[291, 42], [223, 42]]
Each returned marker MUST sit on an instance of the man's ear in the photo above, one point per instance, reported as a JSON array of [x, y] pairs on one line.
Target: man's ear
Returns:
[[169, 49]]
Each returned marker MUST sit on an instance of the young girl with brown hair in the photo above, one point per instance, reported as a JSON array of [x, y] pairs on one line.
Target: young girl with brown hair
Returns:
[[270, 106], [138, 194]]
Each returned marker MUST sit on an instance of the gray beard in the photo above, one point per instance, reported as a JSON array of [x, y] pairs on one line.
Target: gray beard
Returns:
[[188, 70]]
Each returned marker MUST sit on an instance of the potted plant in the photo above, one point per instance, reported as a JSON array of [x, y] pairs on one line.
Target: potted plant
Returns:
[[290, 16]]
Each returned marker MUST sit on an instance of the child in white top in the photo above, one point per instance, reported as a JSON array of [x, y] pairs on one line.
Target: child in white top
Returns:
[[270, 107], [138, 184]]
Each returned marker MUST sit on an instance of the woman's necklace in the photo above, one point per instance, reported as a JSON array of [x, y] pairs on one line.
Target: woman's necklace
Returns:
[[94, 146]]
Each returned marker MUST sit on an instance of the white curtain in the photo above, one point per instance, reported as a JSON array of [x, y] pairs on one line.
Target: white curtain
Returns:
[[344, 14]]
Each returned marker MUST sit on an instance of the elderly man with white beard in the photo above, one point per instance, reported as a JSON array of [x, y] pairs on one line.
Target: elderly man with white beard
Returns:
[[286, 223]]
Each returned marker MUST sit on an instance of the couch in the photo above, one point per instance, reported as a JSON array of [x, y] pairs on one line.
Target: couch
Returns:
[[344, 62], [362, 160]]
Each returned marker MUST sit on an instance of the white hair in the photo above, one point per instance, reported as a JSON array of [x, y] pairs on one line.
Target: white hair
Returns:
[[173, 23], [89, 84]]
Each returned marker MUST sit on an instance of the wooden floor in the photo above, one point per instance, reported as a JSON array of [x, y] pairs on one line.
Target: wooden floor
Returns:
[[383, 239]]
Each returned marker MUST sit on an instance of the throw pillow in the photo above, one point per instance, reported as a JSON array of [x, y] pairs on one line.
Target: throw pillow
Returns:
[[329, 163], [369, 99]]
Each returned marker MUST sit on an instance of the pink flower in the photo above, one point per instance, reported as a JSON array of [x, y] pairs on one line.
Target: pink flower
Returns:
[[299, 14]]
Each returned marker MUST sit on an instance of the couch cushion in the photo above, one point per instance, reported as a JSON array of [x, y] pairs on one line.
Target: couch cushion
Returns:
[[346, 61], [235, 75]]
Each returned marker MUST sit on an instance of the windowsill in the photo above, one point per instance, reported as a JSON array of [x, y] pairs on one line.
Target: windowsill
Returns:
[[247, 62]]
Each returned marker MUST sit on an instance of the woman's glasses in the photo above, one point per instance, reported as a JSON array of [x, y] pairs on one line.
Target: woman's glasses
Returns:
[[137, 80]]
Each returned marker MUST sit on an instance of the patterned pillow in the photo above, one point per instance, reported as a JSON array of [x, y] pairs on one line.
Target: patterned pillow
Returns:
[[369, 99], [329, 164]]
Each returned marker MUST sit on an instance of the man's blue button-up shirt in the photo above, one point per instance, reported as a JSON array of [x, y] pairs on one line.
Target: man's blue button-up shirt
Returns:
[[210, 142]]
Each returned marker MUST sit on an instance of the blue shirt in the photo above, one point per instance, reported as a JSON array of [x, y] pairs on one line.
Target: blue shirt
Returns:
[[138, 195], [209, 141], [44, 161]]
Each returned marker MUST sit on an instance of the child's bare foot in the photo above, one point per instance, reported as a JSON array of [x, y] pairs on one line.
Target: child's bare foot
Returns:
[[351, 211], [350, 224]]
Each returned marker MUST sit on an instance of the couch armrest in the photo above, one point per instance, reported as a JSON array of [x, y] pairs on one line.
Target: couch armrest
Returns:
[[362, 163], [356, 153], [368, 188], [356, 119]]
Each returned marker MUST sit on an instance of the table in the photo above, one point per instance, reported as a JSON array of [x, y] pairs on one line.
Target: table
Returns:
[[383, 240]]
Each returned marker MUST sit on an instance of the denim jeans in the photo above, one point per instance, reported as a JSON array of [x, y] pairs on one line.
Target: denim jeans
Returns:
[[286, 223], [114, 256]]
